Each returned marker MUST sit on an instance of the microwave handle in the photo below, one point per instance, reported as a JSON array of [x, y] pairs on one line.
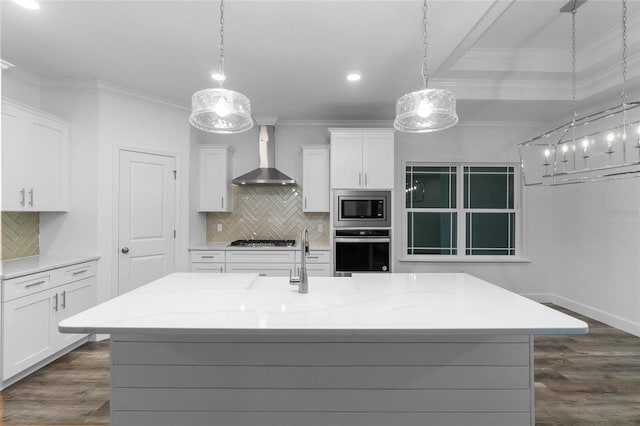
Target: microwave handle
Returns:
[[361, 240]]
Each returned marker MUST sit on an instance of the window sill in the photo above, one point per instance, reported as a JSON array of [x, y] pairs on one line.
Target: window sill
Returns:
[[468, 259]]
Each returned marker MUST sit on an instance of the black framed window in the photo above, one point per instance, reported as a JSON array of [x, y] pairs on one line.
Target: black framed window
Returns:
[[461, 210]]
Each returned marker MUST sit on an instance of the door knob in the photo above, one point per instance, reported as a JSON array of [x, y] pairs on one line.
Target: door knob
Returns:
[[125, 250]]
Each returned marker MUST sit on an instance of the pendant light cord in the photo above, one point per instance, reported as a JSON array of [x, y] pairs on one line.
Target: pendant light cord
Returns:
[[425, 45], [573, 72], [221, 69], [623, 93]]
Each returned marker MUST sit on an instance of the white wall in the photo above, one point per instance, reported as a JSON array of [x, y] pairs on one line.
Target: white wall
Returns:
[[482, 143], [132, 123], [596, 262]]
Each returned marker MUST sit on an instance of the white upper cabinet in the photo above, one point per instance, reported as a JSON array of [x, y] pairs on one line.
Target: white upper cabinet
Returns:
[[362, 158], [315, 178], [214, 179], [35, 160]]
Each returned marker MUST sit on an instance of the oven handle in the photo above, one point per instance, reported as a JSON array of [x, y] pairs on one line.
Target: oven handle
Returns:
[[361, 240]]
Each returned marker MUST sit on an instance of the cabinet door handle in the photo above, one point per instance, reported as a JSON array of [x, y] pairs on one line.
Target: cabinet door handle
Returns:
[[64, 299], [35, 284], [221, 269], [359, 179], [55, 298], [222, 202], [22, 197], [31, 197], [365, 180], [80, 272], [305, 202]]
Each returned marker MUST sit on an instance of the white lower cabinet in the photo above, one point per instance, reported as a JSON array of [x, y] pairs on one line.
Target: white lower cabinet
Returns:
[[32, 307], [268, 263], [207, 261]]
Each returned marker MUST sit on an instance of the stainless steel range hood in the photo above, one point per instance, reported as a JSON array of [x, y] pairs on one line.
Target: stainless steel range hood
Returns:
[[266, 173]]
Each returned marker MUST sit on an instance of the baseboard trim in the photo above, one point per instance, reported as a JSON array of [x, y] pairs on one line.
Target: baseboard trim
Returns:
[[590, 311]]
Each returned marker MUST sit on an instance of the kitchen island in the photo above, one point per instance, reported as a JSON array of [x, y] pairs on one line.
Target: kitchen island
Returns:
[[372, 349]]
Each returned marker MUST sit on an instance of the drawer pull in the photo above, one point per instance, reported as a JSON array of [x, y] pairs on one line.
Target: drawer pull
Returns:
[[35, 284], [80, 272], [206, 257], [313, 257]]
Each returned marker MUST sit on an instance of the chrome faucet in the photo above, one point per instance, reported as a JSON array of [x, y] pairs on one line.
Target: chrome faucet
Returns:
[[302, 279]]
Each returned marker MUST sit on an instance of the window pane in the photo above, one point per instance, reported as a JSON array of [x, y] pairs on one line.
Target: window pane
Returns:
[[490, 233], [431, 187], [488, 189], [432, 233]]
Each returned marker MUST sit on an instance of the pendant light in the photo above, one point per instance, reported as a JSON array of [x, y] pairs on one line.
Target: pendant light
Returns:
[[426, 110], [220, 110]]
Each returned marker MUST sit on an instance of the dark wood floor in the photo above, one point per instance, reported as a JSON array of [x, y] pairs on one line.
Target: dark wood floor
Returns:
[[580, 380]]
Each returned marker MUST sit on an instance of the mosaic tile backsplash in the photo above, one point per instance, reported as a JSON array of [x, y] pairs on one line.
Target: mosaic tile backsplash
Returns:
[[267, 213], [20, 235]]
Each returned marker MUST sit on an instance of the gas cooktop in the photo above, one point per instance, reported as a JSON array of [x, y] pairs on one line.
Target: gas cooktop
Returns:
[[263, 243]]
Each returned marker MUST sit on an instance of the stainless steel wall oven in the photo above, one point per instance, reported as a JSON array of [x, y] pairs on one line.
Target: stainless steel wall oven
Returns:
[[362, 250]]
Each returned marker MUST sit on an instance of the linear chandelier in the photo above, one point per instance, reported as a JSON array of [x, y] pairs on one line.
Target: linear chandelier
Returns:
[[595, 147], [220, 110], [426, 110]]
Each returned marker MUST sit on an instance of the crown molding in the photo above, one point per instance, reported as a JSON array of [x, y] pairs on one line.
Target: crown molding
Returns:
[[514, 60], [524, 90], [23, 76], [606, 45], [601, 81], [99, 86]]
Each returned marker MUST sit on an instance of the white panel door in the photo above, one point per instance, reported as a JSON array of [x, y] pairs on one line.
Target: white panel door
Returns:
[[346, 160], [315, 179], [146, 219], [49, 169], [377, 158], [13, 170]]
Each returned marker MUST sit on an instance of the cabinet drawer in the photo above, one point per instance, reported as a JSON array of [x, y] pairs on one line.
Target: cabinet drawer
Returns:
[[262, 269], [24, 286], [207, 267], [260, 256], [207, 256], [316, 256], [75, 272]]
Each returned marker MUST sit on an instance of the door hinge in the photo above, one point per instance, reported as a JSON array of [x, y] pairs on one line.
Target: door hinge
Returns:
[[175, 174], [174, 233]]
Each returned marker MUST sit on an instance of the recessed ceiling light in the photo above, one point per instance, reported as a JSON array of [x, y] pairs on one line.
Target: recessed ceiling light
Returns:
[[354, 76], [28, 4], [218, 77]]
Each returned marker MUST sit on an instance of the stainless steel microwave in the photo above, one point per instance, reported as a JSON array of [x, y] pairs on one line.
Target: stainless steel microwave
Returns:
[[357, 208]]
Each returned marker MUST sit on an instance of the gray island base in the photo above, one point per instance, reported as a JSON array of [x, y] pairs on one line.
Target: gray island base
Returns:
[[401, 350]]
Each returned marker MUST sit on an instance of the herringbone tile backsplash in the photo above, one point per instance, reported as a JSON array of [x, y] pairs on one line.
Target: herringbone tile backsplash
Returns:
[[20, 235], [267, 213]]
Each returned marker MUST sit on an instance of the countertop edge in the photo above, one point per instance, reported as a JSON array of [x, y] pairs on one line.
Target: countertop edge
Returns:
[[56, 262]]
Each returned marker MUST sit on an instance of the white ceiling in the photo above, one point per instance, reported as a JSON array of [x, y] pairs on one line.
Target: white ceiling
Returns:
[[503, 59]]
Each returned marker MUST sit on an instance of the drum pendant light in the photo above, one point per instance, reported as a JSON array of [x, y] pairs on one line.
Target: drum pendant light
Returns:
[[220, 110], [426, 110]]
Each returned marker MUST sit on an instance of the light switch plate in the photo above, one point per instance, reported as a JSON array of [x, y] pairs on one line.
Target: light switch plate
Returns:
[[219, 227]]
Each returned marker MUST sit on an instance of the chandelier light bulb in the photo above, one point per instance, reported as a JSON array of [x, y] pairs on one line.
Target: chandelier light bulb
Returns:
[[425, 109], [546, 154], [565, 148], [610, 137], [573, 147], [218, 77], [638, 130], [222, 108]]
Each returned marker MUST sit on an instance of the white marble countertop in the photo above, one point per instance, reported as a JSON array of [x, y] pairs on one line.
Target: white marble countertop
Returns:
[[29, 265], [225, 246], [367, 304]]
